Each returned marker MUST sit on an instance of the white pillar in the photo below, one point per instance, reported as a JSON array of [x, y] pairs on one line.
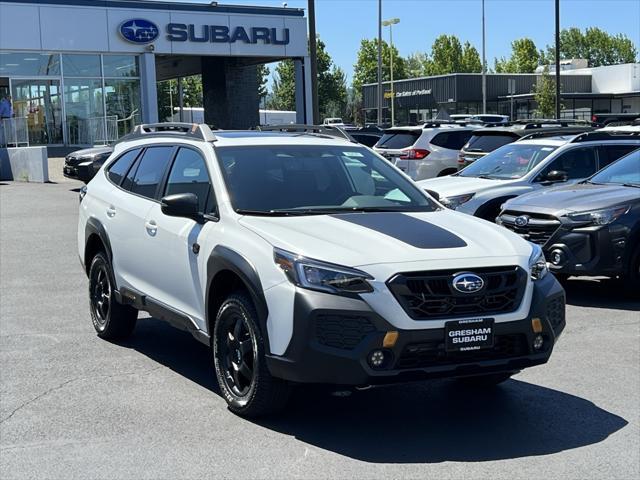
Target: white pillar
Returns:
[[148, 88]]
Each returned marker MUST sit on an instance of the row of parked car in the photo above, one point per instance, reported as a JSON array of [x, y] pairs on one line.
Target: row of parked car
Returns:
[[546, 180]]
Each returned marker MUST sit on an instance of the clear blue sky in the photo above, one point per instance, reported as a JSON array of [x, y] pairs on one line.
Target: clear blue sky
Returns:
[[343, 23]]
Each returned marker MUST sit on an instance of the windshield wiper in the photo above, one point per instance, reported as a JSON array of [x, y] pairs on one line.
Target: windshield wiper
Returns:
[[245, 211], [635, 185]]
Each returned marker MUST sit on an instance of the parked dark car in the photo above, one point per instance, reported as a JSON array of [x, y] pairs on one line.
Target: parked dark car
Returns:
[[84, 164], [367, 136], [589, 228], [614, 119], [486, 140]]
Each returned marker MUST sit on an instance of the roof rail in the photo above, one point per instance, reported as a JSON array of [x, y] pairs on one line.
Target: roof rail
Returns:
[[192, 131], [555, 132], [598, 135], [326, 130], [540, 122]]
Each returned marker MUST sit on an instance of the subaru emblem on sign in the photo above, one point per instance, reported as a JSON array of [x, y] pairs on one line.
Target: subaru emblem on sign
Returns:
[[522, 221], [139, 31], [467, 283]]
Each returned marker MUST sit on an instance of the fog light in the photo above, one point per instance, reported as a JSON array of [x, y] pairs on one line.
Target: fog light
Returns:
[[538, 341], [557, 257], [379, 358]]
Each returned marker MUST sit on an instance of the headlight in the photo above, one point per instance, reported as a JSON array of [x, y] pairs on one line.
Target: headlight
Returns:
[[604, 216], [455, 202], [324, 277], [537, 263]]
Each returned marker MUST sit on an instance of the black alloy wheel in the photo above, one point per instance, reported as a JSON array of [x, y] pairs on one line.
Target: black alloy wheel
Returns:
[[100, 294], [237, 354]]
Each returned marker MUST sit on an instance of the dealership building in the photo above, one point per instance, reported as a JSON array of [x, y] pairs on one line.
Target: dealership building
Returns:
[[81, 73], [584, 92]]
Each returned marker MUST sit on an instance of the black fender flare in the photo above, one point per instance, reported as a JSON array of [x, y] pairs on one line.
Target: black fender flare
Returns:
[[95, 227], [224, 258], [486, 207]]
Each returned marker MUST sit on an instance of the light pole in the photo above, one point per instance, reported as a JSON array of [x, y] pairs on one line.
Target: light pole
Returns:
[[379, 63], [313, 60], [390, 23], [557, 49], [484, 67]]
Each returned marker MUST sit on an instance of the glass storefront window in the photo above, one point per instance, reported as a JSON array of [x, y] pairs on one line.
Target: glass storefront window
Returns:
[[81, 65], [84, 109], [122, 97], [40, 102], [120, 65], [23, 64]]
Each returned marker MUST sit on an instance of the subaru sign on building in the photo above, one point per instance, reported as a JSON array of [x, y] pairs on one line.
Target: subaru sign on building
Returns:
[[82, 73]]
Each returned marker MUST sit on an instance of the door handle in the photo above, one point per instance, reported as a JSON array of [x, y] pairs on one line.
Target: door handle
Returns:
[[111, 211], [152, 227]]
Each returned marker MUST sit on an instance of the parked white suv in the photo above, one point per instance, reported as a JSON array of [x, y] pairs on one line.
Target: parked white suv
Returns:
[[305, 258], [426, 151]]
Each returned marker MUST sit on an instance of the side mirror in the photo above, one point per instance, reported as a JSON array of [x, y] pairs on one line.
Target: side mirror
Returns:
[[181, 205], [556, 176]]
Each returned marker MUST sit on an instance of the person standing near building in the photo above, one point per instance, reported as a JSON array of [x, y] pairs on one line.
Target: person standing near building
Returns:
[[6, 107]]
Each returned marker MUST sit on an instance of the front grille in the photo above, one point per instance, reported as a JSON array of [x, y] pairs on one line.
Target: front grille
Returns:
[[539, 229], [342, 331], [556, 311], [431, 296], [427, 354]]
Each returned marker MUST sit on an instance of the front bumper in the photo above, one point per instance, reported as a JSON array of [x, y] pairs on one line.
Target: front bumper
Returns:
[[333, 337], [83, 173], [588, 250]]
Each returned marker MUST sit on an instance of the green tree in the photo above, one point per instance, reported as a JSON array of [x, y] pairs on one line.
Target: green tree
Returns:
[[524, 58], [332, 89], [365, 69], [598, 47], [263, 78], [168, 95], [448, 55], [545, 95], [470, 62]]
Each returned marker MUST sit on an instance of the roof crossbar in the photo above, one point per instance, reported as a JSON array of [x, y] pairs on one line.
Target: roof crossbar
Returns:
[[326, 130], [192, 131]]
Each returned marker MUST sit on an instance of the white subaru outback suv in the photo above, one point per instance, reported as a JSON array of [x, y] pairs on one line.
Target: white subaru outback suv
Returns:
[[306, 258]]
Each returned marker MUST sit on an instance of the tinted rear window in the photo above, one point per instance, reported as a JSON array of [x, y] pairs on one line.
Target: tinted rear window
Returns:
[[119, 168], [452, 140], [398, 139], [488, 143]]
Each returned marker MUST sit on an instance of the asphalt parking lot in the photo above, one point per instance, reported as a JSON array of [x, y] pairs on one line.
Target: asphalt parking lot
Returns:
[[75, 406]]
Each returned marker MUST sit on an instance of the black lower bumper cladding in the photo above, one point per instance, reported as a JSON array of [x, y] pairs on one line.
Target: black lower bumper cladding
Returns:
[[333, 337]]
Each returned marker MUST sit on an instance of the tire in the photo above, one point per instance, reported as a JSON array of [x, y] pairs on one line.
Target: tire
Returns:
[[486, 381], [239, 359], [112, 320]]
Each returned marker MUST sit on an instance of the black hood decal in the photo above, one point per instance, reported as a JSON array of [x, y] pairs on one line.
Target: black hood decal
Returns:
[[407, 229]]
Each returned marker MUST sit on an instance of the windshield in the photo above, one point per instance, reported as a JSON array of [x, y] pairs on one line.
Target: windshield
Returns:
[[508, 162], [488, 143], [312, 179], [625, 171], [398, 139]]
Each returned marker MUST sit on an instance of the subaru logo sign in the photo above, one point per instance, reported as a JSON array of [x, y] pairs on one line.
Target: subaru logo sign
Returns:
[[522, 221], [467, 283], [139, 31]]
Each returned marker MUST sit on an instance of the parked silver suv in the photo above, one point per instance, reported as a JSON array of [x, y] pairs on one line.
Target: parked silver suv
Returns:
[[426, 151], [522, 167]]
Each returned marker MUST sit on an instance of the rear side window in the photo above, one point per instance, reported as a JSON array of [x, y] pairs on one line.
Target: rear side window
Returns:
[[452, 140], [608, 154], [119, 168], [488, 143], [398, 139], [144, 178], [189, 175]]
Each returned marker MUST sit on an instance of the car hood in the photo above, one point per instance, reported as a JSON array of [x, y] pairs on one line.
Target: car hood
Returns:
[[575, 198], [358, 239], [89, 152], [453, 185]]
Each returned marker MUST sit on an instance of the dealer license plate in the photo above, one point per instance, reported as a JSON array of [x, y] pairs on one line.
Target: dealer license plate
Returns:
[[468, 335]]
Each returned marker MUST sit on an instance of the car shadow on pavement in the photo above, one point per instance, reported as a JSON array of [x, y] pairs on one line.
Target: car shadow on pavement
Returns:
[[599, 293], [426, 422], [175, 349]]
